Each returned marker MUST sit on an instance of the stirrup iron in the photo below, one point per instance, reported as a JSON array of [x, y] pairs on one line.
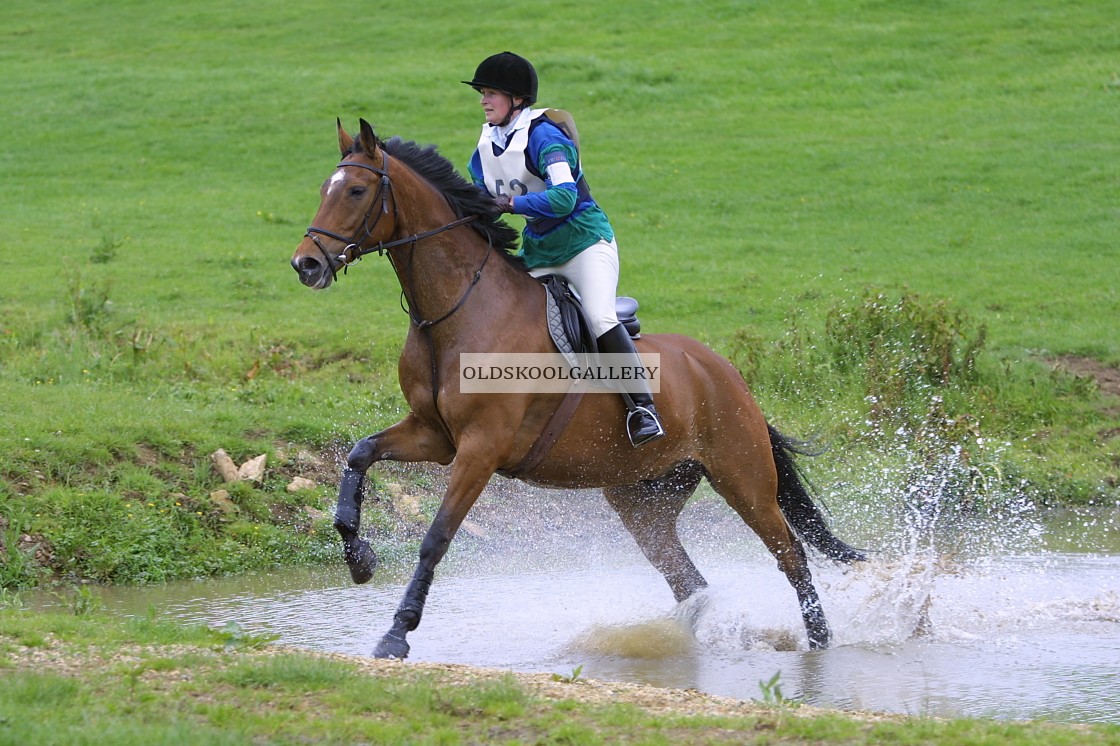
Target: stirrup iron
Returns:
[[650, 437]]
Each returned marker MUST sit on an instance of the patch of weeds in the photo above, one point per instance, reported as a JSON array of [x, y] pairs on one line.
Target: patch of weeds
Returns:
[[39, 690], [571, 678], [882, 358], [746, 353], [502, 698], [32, 639], [106, 250], [18, 568], [901, 345], [289, 671], [235, 637], [10, 599], [84, 602], [136, 342], [270, 217], [251, 501], [266, 545], [772, 692], [88, 303]]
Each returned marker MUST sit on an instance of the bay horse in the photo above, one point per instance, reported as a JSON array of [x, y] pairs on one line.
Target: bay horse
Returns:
[[465, 292]]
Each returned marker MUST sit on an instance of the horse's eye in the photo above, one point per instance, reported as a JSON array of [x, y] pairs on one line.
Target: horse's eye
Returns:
[[357, 191]]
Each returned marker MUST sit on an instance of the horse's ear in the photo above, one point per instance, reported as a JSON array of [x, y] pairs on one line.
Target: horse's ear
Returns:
[[367, 139], [345, 142]]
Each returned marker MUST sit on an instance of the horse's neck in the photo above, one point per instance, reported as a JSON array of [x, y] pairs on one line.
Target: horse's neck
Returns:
[[448, 271], [438, 275]]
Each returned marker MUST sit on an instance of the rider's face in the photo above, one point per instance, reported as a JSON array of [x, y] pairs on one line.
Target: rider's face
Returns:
[[496, 105]]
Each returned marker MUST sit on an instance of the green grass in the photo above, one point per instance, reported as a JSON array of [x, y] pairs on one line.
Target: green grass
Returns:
[[92, 679], [764, 165]]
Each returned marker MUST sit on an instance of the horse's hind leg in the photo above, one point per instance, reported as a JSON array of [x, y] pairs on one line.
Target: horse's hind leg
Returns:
[[408, 440], [754, 498], [649, 510]]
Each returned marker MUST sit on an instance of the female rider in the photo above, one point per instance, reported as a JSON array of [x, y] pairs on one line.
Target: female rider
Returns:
[[530, 165]]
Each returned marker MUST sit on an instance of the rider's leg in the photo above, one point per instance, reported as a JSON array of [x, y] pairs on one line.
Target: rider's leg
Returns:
[[593, 273], [643, 424]]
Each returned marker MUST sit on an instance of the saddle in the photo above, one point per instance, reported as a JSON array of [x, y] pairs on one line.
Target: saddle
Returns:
[[572, 335], [568, 324]]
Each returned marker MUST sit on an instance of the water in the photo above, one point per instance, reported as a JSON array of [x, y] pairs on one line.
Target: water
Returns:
[[1009, 616]]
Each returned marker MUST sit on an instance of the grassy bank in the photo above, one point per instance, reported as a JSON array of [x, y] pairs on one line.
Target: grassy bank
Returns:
[[86, 679], [895, 214]]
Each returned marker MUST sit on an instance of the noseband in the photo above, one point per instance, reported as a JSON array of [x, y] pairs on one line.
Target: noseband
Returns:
[[354, 249]]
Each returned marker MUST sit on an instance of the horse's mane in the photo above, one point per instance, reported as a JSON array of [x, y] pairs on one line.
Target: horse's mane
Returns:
[[464, 197]]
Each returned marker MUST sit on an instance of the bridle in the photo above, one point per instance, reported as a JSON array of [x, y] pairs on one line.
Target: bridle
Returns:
[[354, 251]]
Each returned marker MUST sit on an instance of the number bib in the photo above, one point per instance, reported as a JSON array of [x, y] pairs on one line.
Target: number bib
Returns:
[[510, 172]]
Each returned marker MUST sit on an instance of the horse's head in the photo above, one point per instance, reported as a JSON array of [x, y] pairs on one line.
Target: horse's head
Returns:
[[354, 213]]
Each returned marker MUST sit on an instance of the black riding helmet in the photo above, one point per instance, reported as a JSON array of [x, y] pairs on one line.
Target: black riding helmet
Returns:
[[509, 73]]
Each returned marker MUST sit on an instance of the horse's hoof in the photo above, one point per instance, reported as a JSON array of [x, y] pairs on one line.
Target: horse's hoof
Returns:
[[361, 559], [391, 647], [820, 639], [692, 608]]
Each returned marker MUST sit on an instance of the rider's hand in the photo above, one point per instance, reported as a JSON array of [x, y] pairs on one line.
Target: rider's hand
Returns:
[[504, 203]]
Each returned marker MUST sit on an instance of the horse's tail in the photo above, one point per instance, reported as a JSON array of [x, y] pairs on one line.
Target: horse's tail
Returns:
[[798, 506]]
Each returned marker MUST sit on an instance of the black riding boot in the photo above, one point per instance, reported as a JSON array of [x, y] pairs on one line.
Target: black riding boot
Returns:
[[642, 421]]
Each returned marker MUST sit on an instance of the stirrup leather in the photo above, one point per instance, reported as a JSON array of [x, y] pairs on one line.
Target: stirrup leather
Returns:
[[656, 420]]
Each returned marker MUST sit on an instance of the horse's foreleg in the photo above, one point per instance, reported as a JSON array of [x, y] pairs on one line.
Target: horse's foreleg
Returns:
[[469, 475], [408, 440], [359, 555]]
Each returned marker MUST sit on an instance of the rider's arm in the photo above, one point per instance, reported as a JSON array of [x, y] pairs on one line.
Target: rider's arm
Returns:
[[556, 159]]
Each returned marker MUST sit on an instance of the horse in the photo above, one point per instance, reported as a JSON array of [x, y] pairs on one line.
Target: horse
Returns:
[[466, 292]]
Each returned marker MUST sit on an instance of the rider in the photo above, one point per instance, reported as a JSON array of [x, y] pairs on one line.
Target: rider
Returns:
[[528, 160]]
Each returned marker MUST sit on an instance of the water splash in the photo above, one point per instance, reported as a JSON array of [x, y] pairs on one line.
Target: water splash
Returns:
[[937, 515], [653, 639]]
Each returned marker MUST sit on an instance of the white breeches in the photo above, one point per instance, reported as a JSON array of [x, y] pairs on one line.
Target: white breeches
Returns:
[[593, 273]]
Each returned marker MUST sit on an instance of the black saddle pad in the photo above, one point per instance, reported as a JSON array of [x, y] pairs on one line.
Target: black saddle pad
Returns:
[[573, 321]]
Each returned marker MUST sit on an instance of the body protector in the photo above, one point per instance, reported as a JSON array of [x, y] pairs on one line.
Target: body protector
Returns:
[[512, 172]]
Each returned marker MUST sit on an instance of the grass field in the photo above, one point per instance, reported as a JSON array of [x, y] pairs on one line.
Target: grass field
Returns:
[[768, 166]]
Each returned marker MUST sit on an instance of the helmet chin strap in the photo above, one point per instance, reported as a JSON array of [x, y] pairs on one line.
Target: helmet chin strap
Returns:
[[514, 109]]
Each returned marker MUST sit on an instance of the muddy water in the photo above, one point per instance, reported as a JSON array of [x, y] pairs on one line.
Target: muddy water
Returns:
[[1012, 616]]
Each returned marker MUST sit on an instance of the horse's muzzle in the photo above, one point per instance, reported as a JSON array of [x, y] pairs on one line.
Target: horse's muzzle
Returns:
[[312, 272]]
